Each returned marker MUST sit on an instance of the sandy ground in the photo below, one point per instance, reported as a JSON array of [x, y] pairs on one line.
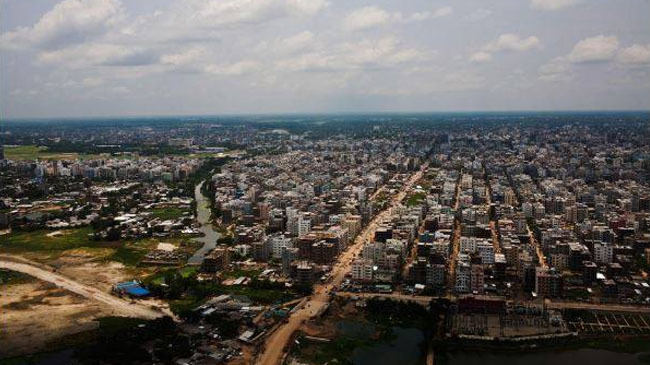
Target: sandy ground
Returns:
[[76, 284], [36, 313], [98, 274]]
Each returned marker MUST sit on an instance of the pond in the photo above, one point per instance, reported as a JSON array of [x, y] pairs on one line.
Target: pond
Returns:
[[581, 356]]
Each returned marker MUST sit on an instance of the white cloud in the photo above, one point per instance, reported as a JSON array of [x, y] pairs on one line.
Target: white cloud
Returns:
[[512, 42], [479, 14], [98, 54], [363, 55], [481, 57], [552, 4], [366, 17], [557, 69], [636, 54], [426, 15], [297, 42], [373, 16], [68, 22], [193, 59], [508, 42], [235, 69], [594, 49], [306, 7], [216, 13]]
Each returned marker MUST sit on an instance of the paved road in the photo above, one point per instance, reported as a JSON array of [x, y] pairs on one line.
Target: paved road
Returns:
[[276, 345], [455, 239], [121, 306]]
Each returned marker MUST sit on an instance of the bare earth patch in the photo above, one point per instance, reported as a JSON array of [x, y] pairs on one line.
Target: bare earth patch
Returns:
[[36, 313]]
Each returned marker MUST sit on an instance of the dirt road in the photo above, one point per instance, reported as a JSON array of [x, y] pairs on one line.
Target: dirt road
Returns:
[[276, 345], [121, 307]]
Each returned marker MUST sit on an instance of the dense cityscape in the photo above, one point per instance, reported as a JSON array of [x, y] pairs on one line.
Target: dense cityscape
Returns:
[[306, 239]]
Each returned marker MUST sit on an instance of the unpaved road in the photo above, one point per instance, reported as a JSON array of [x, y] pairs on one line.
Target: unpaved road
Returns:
[[120, 306], [276, 345]]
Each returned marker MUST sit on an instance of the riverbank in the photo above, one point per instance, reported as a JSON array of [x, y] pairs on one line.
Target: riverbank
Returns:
[[203, 216]]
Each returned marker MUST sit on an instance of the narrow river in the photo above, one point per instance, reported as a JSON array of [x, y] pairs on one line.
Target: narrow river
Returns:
[[210, 237]]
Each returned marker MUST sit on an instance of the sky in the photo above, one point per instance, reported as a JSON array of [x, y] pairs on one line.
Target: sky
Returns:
[[75, 58]]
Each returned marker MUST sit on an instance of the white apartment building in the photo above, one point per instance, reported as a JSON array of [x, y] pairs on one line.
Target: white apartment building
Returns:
[[278, 243], [603, 252], [362, 270]]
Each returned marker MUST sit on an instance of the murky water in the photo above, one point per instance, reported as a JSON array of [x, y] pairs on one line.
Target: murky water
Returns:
[[210, 237], [405, 348], [570, 357]]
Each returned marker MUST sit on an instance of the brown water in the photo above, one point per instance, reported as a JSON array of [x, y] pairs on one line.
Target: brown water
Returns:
[[210, 237]]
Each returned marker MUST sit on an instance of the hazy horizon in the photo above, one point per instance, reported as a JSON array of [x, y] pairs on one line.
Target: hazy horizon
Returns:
[[323, 114]]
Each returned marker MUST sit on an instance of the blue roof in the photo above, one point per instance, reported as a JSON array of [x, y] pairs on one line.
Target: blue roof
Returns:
[[137, 291], [133, 288]]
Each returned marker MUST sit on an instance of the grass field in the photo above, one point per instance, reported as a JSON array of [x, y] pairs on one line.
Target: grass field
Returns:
[[44, 240], [131, 252], [49, 247], [415, 199], [169, 213], [32, 152]]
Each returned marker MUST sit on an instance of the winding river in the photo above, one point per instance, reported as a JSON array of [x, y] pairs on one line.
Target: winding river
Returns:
[[210, 236]]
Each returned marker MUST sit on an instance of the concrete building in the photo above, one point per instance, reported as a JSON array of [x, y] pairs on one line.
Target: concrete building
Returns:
[[218, 259], [548, 282], [362, 270], [463, 275], [603, 252], [279, 243]]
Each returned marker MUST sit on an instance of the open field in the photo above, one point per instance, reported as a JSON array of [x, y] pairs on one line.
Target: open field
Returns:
[[50, 246], [414, 199], [25, 305], [169, 213], [32, 152], [47, 241]]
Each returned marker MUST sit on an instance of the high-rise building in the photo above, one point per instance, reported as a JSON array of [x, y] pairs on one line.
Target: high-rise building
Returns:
[[217, 260], [288, 256], [548, 282], [362, 270], [477, 276], [463, 274]]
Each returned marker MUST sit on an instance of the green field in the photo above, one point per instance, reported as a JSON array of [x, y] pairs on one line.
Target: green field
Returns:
[[43, 240], [131, 252], [32, 152], [169, 213], [44, 246], [415, 199]]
